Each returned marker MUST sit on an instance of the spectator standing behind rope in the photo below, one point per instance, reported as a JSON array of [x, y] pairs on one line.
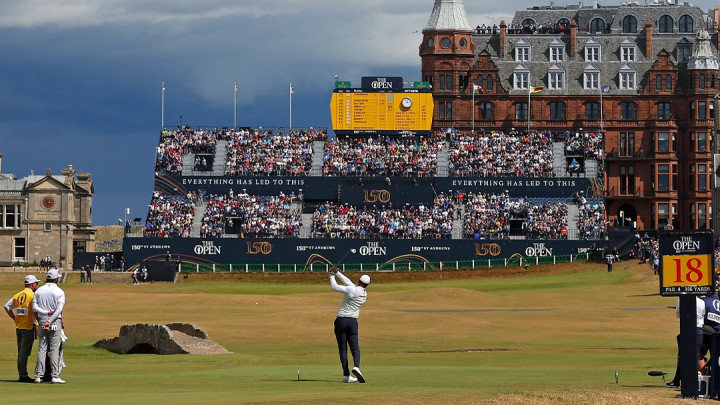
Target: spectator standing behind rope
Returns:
[[19, 308], [48, 304], [346, 324]]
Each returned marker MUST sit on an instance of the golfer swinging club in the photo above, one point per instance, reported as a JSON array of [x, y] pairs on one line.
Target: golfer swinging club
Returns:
[[346, 324]]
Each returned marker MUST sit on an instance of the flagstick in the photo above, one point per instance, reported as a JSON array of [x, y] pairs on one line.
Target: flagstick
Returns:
[[291, 92], [235, 109]]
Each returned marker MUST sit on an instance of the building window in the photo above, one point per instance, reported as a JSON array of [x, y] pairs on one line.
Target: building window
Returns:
[[445, 110], [591, 80], [702, 177], [627, 53], [668, 82], [597, 26], [663, 111], [702, 110], [521, 112], [592, 111], [627, 111], [663, 177], [10, 216], [658, 83], [484, 111], [629, 25], [701, 218], [627, 80], [521, 80], [684, 51], [489, 83], [627, 143], [556, 53], [557, 111], [685, 24], [592, 53], [665, 25], [663, 142], [446, 82], [480, 81], [701, 82], [701, 142], [556, 80], [627, 180], [522, 51], [19, 249], [663, 214]]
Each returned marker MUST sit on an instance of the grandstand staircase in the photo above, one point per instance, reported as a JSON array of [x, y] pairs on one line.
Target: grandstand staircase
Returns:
[[200, 209], [559, 162], [188, 162], [220, 156], [442, 164], [318, 155], [457, 229], [307, 220], [591, 168], [573, 215]]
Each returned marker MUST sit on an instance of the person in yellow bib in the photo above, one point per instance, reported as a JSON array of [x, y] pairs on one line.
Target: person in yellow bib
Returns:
[[19, 308]]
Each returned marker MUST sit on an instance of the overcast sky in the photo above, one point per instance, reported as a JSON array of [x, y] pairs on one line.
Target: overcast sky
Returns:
[[80, 80]]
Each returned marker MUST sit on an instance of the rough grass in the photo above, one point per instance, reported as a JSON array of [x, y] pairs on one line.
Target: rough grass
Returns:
[[545, 335]]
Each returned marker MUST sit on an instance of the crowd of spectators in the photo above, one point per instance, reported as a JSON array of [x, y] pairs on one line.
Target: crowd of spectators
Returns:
[[488, 216], [381, 156], [174, 144], [332, 220], [490, 154], [251, 216], [586, 144], [591, 218], [169, 216], [264, 153], [552, 29]]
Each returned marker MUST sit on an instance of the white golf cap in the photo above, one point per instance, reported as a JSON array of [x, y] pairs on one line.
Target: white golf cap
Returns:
[[53, 274], [31, 279], [365, 279]]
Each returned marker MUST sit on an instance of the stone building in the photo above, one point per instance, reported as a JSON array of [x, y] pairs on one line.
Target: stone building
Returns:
[[45, 215], [644, 75]]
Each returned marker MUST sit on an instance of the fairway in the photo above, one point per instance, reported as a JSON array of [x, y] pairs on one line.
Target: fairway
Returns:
[[545, 338]]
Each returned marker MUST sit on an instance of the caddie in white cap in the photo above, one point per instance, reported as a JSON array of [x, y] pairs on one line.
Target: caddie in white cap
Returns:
[[346, 322], [48, 304], [19, 308]]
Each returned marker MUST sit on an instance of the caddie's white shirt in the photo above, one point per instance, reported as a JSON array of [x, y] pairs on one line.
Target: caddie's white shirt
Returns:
[[354, 297], [699, 309], [48, 298]]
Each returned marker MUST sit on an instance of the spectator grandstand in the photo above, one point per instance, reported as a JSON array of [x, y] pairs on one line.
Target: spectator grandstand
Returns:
[[251, 216], [382, 156], [262, 153], [169, 216], [492, 154]]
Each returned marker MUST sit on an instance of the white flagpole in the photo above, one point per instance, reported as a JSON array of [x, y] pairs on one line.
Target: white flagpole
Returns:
[[235, 108], [529, 109], [473, 109], [291, 92], [162, 108]]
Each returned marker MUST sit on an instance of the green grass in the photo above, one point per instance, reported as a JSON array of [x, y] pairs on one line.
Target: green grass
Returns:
[[545, 339]]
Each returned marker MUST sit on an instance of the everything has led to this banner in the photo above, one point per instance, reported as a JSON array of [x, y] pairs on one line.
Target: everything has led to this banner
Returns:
[[686, 262]]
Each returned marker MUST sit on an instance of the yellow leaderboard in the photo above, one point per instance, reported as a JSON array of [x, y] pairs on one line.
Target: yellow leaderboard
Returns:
[[355, 110]]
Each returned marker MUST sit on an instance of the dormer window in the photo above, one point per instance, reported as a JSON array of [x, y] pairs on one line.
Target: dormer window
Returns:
[[522, 50], [627, 51], [629, 24], [521, 77], [628, 77], [592, 50], [597, 26], [591, 77], [685, 24], [557, 51], [556, 77]]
